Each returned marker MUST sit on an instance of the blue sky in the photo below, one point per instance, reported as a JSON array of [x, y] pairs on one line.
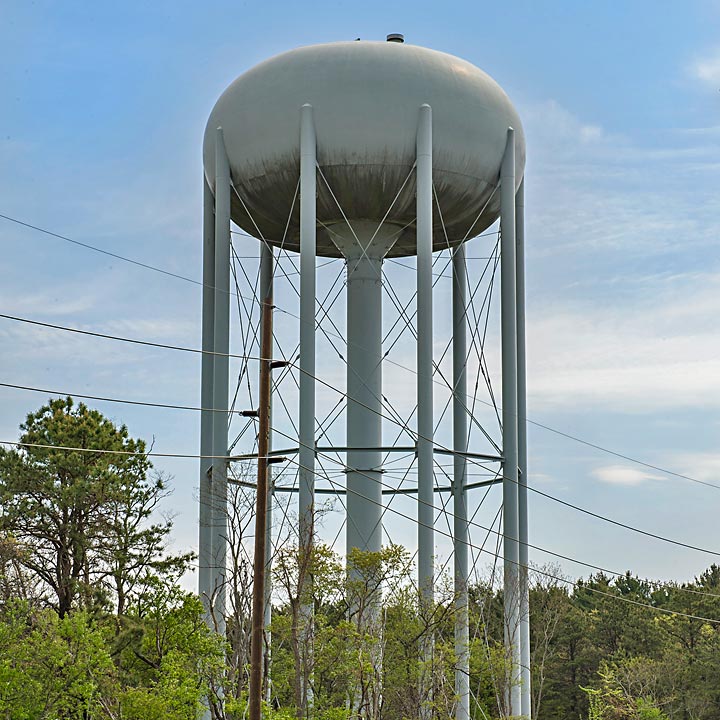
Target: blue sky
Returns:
[[104, 107]]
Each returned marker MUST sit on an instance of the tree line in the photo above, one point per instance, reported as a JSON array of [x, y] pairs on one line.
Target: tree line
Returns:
[[95, 624]]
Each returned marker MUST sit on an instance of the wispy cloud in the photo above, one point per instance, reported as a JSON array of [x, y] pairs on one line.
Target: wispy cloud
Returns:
[[707, 68], [58, 303], [595, 190], [627, 226], [623, 475], [664, 353]]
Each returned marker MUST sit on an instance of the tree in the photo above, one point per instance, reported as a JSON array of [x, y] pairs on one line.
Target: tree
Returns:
[[132, 547], [369, 576], [52, 667], [167, 659], [549, 609], [293, 569], [15, 582], [81, 517], [612, 701], [241, 516]]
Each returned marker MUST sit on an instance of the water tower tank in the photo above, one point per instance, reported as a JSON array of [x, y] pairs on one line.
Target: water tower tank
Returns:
[[365, 96], [404, 151]]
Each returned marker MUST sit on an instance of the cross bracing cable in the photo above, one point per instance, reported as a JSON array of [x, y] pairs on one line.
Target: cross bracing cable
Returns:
[[391, 292], [279, 309], [403, 310], [548, 428]]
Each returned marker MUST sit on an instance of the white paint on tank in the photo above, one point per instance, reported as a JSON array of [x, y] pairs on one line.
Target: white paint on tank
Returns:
[[366, 98]]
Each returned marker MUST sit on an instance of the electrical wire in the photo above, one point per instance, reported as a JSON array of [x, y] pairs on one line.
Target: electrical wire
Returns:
[[87, 246], [101, 398], [552, 576], [120, 338], [471, 523], [386, 507], [152, 344], [68, 448], [472, 461], [535, 423]]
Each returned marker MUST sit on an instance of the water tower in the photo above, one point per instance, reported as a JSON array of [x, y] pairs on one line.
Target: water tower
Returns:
[[393, 131]]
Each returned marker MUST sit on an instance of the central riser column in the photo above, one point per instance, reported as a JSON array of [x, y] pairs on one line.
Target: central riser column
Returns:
[[364, 406]]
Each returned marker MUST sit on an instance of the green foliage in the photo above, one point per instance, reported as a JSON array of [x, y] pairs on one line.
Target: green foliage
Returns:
[[77, 667], [81, 520], [52, 667], [166, 656], [94, 624], [611, 700], [78, 533]]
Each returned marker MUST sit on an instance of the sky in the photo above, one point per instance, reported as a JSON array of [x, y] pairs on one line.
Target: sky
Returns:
[[104, 108]]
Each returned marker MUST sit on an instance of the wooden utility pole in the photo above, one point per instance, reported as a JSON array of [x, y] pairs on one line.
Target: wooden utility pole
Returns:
[[258, 600]]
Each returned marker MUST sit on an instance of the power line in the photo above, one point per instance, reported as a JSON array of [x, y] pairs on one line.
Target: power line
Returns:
[[391, 419], [328, 457], [536, 547], [326, 476], [101, 398], [596, 515], [68, 448], [147, 266], [245, 357], [617, 522], [642, 463], [148, 343], [120, 338], [386, 507], [116, 256], [87, 246], [536, 570]]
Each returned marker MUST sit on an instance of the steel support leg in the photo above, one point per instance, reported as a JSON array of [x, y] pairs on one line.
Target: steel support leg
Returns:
[[206, 401], [267, 271], [306, 454], [221, 346], [364, 402], [460, 522], [526, 704], [426, 514], [308, 191], [510, 424]]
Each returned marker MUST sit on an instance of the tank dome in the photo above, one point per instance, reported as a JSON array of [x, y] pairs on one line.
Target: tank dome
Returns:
[[366, 98]]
